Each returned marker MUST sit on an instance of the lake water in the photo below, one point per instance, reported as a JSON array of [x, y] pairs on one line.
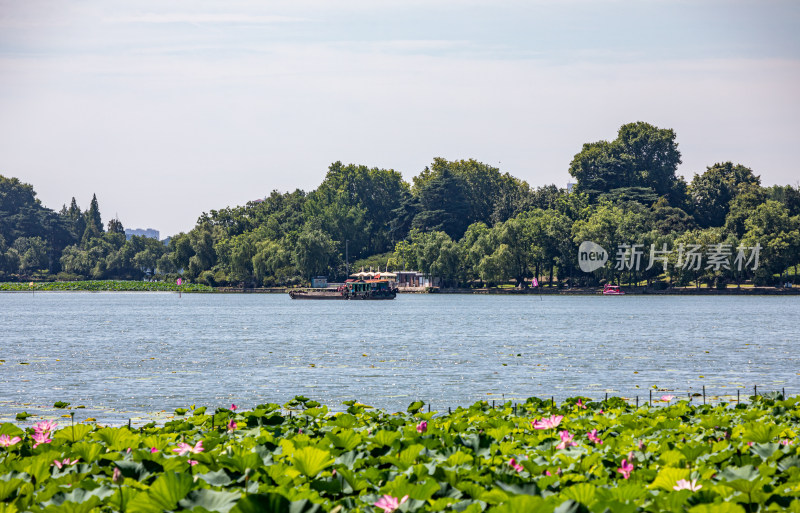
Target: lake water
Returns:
[[123, 355]]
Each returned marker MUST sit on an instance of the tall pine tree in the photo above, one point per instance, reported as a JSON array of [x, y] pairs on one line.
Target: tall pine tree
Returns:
[[94, 225]]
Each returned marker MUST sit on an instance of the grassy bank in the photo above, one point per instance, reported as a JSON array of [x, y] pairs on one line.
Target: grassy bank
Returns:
[[597, 457], [102, 285]]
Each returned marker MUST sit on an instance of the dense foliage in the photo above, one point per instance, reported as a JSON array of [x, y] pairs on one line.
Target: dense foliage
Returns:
[[535, 456], [103, 285], [463, 222]]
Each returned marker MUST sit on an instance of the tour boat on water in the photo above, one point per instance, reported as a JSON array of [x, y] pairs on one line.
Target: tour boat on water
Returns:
[[352, 289], [612, 290]]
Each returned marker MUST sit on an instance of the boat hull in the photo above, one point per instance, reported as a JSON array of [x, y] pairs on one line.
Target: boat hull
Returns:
[[366, 296], [302, 294]]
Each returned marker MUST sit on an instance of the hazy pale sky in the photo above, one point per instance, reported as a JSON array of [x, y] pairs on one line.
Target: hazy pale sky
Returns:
[[169, 109]]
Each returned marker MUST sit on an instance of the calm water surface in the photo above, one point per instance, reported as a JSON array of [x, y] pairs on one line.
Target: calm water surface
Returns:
[[125, 354]]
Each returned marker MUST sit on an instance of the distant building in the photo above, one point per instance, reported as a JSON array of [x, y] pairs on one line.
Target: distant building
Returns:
[[148, 232], [570, 186]]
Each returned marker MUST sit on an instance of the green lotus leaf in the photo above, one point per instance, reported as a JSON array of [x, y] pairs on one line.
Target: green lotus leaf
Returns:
[[273, 503], [316, 412], [788, 462], [210, 500], [10, 429], [116, 439], [73, 433], [406, 457], [168, 489], [345, 420], [216, 478], [138, 470], [765, 450], [583, 493], [310, 461], [241, 458], [760, 432], [415, 407], [571, 506], [692, 452], [523, 489], [459, 458], [87, 451], [384, 437], [668, 476], [724, 507], [346, 440], [9, 488]]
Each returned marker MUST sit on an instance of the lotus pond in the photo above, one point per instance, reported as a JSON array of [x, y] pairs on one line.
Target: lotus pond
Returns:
[[534, 456]]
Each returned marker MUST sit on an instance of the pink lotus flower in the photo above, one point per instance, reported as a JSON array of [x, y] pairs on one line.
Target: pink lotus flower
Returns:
[[566, 440], [600, 412], [184, 448], [116, 477], [641, 444], [683, 484], [153, 450], [667, 398], [388, 503], [516, 466], [625, 469], [592, 436], [231, 426], [785, 441], [422, 427], [7, 441], [550, 423], [234, 407], [580, 404], [45, 426], [41, 438], [64, 462], [558, 472], [192, 463]]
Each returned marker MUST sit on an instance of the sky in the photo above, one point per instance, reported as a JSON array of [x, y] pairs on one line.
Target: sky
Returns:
[[165, 110]]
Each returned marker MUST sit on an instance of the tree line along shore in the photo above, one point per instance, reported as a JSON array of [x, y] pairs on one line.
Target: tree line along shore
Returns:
[[463, 223]]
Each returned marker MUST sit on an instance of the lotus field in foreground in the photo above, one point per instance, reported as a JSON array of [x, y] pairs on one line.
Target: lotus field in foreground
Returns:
[[534, 456]]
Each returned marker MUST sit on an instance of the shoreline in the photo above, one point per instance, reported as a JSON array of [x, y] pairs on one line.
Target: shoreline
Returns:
[[632, 291], [638, 291]]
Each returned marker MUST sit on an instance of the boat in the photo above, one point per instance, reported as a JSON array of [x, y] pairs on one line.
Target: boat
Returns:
[[612, 290], [352, 289]]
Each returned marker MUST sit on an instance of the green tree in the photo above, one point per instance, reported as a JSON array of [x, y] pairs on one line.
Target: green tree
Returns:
[[443, 205], [75, 260], [640, 163], [778, 235], [94, 224], [314, 253], [33, 254], [115, 226], [712, 192], [746, 200]]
